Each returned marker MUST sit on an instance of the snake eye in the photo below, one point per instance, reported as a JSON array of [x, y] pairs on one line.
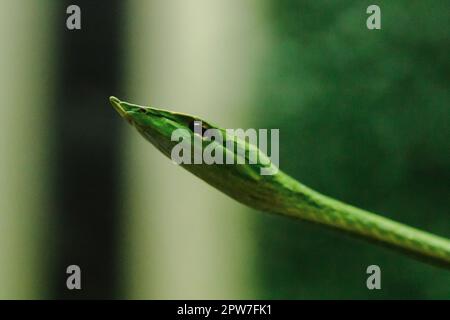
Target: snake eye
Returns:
[[195, 125], [142, 110], [192, 126]]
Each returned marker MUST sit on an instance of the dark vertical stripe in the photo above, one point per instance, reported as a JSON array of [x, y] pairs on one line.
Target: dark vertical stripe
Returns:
[[86, 149]]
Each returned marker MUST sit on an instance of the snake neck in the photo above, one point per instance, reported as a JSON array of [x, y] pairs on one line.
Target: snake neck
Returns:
[[298, 201]]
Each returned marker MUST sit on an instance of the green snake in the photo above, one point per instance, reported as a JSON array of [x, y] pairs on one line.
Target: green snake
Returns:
[[280, 193]]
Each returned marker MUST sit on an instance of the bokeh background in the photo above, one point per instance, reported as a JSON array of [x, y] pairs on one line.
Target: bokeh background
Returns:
[[363, 116]]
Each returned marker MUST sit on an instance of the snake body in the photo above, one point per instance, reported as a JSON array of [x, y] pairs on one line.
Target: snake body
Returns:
[[280, 193]]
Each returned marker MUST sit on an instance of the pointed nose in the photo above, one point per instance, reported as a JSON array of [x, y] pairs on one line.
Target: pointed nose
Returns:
[[117, 106]]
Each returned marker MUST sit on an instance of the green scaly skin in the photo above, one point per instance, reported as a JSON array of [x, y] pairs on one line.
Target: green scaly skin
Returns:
[[279, 193]]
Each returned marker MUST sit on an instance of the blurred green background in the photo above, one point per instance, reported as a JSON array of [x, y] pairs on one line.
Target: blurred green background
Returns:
[[363, 117]]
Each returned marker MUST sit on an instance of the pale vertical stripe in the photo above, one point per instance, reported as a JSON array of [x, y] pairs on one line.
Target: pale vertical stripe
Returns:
[[25, 57], [183, 239]]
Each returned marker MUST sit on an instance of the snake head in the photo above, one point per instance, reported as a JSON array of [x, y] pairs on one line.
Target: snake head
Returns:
[[164, 129], [157, 125]]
